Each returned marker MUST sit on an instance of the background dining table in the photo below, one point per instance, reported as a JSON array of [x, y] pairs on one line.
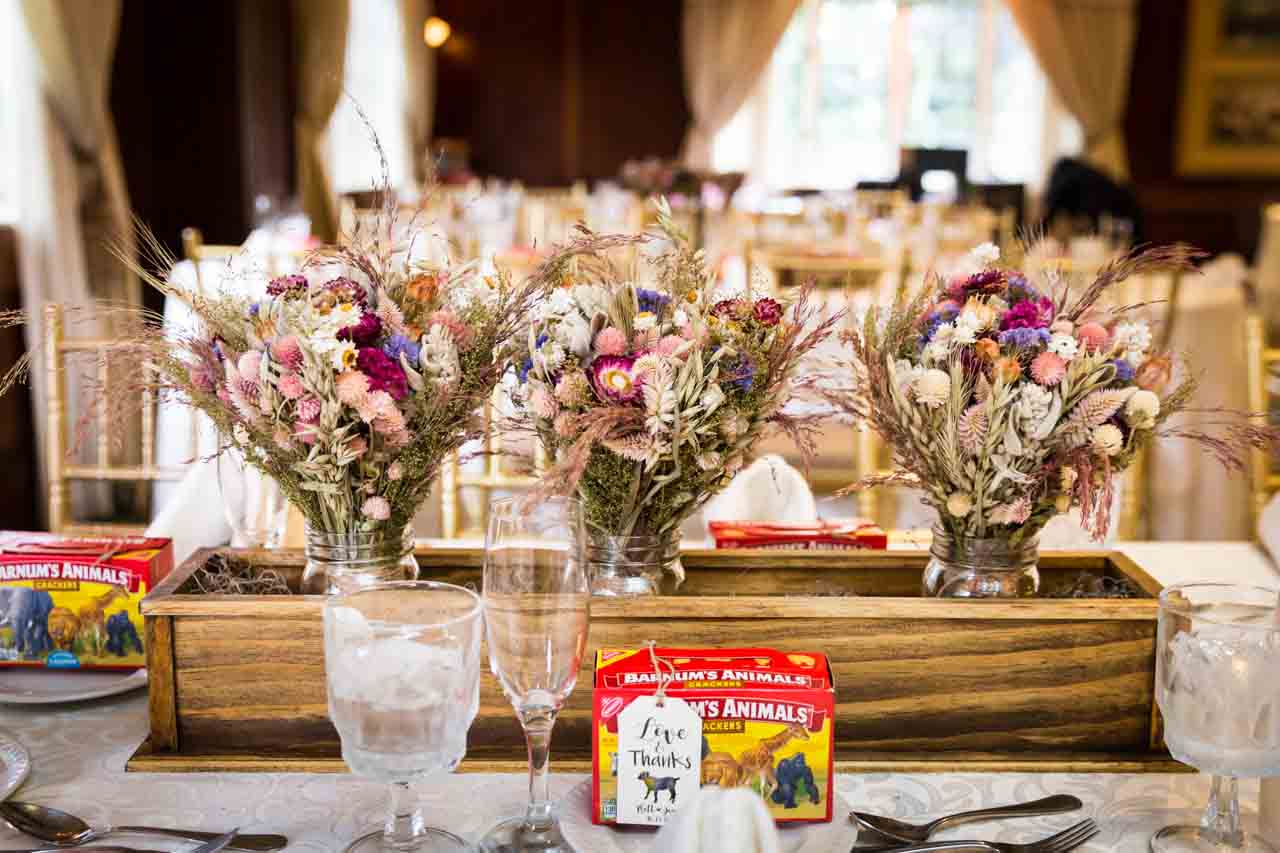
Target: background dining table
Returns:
[[79, 753]]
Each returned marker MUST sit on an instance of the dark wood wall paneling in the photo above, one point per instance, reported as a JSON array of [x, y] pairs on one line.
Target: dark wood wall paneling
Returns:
[[552, 91], [203, 101], [1217, 214], [19, 501]]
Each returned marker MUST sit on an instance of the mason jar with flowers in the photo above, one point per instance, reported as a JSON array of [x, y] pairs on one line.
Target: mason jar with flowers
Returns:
[[650, 399], [1007, 404]]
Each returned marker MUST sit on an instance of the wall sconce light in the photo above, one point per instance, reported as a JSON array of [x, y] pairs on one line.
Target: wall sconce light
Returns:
[[435, 31]]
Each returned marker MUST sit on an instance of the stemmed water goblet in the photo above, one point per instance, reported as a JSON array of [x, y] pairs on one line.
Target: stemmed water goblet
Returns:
[[536, 596], [402, 661], [1218, 687]]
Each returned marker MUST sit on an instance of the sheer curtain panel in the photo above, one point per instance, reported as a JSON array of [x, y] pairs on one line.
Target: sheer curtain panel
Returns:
[[727, 46], [1085, 48]]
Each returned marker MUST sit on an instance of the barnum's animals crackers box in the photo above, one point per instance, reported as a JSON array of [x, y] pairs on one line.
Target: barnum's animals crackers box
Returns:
[[72, 603], [767, 719]]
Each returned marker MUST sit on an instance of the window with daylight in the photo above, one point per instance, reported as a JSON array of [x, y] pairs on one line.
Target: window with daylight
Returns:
[[854, 81]]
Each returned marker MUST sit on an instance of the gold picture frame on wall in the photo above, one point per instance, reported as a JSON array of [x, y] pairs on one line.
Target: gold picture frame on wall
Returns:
[[1230, 111]]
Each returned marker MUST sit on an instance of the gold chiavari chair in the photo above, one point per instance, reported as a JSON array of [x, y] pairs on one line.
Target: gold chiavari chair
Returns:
[[63, 473], [494, 476], [196, 250], [846, 272], [1263, 364]]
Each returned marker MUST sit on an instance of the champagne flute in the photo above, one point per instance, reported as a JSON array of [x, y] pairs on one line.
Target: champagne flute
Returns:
[[402, 661], [536, 597]]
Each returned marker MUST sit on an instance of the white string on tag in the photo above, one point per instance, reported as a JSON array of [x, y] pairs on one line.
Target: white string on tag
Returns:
[[664, 678]]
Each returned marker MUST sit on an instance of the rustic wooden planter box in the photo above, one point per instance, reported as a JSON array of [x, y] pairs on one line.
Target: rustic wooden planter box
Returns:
[[237, 682]]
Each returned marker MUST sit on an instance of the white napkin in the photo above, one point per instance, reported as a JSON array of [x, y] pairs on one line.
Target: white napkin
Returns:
[[732, 820], [766, 490], [1269, 528], [193, 515]]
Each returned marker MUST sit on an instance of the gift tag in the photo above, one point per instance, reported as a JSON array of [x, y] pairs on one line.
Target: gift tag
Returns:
[[659, 758]]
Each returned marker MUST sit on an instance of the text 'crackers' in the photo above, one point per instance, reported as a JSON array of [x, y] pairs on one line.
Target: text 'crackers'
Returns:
[[767, 720], [72, 603]]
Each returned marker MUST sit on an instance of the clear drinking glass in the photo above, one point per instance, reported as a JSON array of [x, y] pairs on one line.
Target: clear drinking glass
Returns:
[[536, 597], [403, 666], [1217, 668], [256, 509]]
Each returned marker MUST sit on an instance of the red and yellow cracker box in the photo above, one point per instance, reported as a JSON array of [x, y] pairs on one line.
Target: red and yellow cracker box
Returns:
[[854, 535], [767, 723], [72, 603]]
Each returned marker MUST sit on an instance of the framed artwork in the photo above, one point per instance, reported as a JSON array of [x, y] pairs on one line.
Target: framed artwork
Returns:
[[1230, 111]]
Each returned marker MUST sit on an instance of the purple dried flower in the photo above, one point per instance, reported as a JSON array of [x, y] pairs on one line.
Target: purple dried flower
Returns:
[[1024, 337], [343, 289], [398, 345], [1028, 315], [288, 286], [768, 312], [1124, 370]]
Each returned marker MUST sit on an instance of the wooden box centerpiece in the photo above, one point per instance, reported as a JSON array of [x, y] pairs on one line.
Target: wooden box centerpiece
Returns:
[[1052, 684]]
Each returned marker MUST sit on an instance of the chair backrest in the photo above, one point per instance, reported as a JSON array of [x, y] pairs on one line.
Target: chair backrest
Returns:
[[196, 250], [1263, 364], [850, 272], [61, 472], [494, 475]]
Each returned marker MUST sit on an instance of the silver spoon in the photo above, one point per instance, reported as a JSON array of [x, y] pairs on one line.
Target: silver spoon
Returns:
[[66, 830]]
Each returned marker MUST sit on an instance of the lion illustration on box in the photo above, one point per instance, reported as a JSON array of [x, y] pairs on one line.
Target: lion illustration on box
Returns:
[[89, 625]]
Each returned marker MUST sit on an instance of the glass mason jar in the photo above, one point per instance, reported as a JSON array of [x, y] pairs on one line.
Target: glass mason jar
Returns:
[[345, 562], [630, 565], [981, 568]]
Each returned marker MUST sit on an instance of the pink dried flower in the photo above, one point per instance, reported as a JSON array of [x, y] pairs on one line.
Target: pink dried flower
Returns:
[[768, 312], [309, 410], [1048, 368], [458, 330], [1093, 337], [282, 438], [291, 387], [250, 365], [358, 445], [395, 471], [376, 508], [615, 379], [542, 403], [352, 387], [611, 341], [287, 351], [670, 345]]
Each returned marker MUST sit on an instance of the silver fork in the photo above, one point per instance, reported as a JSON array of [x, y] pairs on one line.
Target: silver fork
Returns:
[[897, 833], [1069, 839]]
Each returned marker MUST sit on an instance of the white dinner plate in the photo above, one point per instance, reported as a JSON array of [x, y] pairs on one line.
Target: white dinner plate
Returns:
[[575, 822], [23, 686], [15, 764]]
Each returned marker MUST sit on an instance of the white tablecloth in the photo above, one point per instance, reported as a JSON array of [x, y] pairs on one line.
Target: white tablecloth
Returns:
[[79, 753]]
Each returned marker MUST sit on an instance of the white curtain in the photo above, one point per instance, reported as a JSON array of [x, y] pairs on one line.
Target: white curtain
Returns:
[[51, 258], [727, 45], [1086, 50]]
